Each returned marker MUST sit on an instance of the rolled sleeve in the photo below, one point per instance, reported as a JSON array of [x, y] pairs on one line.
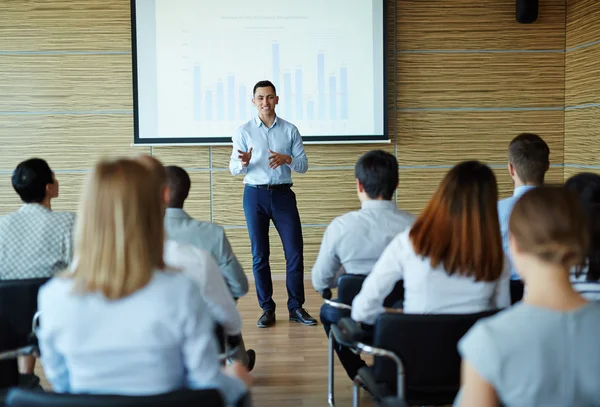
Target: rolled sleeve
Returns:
[[235, 165], [299, 160], [328, 263]]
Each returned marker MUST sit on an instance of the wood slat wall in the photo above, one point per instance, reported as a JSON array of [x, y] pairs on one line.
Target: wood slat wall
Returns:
[[463, 82], [582, 90]]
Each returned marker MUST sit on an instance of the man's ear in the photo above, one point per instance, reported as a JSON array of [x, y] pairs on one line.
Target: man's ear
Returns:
[[511, 169], [166, 195], [359, 186]]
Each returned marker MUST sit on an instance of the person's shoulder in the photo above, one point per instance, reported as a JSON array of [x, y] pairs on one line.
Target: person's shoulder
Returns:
[[287, 125], [183, 255], [55, 291], [506, 203], [246, 126], [208, 229], [64, 217], [404, 216]]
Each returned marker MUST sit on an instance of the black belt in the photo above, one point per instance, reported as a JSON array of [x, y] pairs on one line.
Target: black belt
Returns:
[[271, 187]]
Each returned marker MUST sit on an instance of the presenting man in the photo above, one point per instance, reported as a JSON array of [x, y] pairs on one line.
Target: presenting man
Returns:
[[266, 149]]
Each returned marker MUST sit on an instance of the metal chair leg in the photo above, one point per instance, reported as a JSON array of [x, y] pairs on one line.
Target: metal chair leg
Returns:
[[356, 395], [330, 382]]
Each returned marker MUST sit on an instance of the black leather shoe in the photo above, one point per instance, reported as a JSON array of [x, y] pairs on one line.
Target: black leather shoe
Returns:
[[300, 315], [251, 359], [267, 319]]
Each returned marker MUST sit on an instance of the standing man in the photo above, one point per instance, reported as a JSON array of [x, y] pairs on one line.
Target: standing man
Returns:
[[266, 149]]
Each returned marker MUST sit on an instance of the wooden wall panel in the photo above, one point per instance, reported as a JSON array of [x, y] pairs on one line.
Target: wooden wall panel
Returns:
[[477, 25], [443, 138], [33, 83], [198, 202], [186, 157], [485, 80], [582, 133], [582, 22], [64, 25], [583, 75], [89, 138]]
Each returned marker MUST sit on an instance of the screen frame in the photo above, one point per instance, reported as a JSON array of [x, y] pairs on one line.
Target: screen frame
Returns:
[[329, 139]]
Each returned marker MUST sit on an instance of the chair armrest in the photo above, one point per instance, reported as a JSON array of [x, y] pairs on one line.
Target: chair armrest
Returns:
[[337, 305], [393, 402], [29, 350]]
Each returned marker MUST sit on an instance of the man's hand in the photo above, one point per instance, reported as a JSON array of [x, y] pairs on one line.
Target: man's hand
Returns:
[[245, 157], [276, 159]]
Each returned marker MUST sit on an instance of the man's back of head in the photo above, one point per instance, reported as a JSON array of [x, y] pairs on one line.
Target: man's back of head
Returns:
[[31, 178], [179, 186], [529, 157], [377, 174]]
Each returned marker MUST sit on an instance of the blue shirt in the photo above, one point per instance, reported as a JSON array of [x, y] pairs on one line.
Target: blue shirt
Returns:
[[158, 339], [505, 207], [282, 137]]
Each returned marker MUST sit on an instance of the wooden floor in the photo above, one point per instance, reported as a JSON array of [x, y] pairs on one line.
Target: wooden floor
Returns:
[[291, 361]]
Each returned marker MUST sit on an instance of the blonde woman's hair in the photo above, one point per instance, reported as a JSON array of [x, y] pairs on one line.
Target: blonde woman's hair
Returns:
[[119, 232]]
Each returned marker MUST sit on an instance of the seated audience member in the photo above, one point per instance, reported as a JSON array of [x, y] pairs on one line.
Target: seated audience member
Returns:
[[544, 350], [208, 236], [199, 265], [451, 259], [353, 242], [123, 322], [35, 241], [528, 162], [586, 280]]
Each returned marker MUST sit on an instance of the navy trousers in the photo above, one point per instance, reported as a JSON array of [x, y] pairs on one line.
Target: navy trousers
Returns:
[[260, 207]]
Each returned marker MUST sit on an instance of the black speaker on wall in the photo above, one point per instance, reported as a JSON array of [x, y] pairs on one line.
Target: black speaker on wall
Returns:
[[527, 11]]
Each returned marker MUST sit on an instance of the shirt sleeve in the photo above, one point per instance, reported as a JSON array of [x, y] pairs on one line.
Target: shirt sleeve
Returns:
[[68, 240], [235, 165], [380, 282], [199, 350], [299, 160], [328, 263], [478, 348], [503, 287], [55, 367], [231, 268]]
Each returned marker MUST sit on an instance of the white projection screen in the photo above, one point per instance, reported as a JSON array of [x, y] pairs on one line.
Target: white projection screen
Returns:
[[195, 63]]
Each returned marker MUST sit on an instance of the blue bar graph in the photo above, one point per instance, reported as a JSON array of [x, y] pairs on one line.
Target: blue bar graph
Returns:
[[310, 110], [276, 71], [287, 95], [243, 102], [208, 102], [321, 84], [299, 91], [332, 98], [227, 99], [220, 100], [344, 93], [230, 97], [197, 89]]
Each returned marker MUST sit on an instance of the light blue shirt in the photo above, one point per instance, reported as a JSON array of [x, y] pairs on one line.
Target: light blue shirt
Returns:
[[158, 339], [537, 356], [282, 137], [505, 207]]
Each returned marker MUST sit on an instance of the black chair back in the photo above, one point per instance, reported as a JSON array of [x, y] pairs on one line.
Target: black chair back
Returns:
[[181, 398], [349, 286], [427, 345], [18, 305], [9, 370], [516, 291]]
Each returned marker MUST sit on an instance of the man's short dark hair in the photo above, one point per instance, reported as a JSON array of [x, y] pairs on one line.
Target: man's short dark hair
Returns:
[[263, 84], [530, 156], [179, 185], [30, 179], [377, 171]]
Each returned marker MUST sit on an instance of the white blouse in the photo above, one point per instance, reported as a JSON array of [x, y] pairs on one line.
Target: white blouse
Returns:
[[427, 290]]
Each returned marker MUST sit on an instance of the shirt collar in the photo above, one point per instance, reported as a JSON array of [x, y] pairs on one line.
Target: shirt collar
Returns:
[[259, 122], [378, 204], [176, 213], [519, 191], [33, 207]]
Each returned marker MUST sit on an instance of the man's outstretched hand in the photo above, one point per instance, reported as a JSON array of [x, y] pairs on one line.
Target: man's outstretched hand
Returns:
[[276, 159], [245, 157]]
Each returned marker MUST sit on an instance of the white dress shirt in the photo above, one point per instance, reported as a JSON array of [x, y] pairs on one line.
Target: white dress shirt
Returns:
[[208, 236], [35, 242], [200, 266], [159, 339], [505, 207], [282, 137], [353, 242], [427, 290]]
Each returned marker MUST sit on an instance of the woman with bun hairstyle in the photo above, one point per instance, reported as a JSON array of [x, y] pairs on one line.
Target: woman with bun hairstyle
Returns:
[[544, 350]]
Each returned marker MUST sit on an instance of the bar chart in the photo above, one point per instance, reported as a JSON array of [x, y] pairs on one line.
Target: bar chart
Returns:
[[228, 99]]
